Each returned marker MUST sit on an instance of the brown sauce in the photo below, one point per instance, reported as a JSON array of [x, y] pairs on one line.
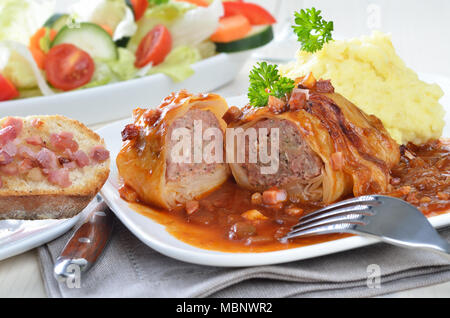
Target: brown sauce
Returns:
[[422, 178]]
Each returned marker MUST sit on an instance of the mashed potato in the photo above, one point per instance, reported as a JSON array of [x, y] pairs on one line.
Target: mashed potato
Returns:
[[368, 72]]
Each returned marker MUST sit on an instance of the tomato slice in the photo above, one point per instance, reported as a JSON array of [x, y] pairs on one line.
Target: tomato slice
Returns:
[[256, 14], [68, 67], [35, 45], [231, 28], [139, 7], [154, 47], [7, 89]]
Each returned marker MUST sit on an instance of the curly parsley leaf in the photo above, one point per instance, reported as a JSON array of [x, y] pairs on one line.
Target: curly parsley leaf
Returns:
[[265, 81], [312, 31]]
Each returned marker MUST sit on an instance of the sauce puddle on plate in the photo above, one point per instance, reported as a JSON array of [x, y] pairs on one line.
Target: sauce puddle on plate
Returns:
[[422, 178]]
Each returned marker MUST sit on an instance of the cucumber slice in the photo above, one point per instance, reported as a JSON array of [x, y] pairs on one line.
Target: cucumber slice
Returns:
[[89, 37], [259, 36], [57, 21]]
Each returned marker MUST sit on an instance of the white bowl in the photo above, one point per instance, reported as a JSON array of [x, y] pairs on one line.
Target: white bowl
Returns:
[[117, 100]]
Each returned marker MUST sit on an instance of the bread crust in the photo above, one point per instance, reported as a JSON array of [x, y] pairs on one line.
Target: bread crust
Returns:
[[55, 203], [36, 207]]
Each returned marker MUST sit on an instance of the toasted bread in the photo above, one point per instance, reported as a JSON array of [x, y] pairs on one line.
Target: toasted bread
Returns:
[[31, 193]]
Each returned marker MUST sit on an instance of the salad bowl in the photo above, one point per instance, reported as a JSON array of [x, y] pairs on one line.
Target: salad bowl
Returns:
[[96, 60], [117, 100]]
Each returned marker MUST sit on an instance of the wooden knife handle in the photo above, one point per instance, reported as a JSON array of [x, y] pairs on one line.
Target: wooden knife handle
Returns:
[[86, 244]]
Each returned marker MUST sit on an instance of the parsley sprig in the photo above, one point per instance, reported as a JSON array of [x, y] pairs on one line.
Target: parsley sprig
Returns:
[[312, 31], [265, 81]]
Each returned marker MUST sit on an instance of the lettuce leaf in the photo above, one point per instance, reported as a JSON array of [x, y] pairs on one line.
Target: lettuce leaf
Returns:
[[19, 19], [123, 67], [177, 64], [22, 70], [197, 25], [29, 92], [206, 48], [102, 75], [109, 71], [19, 72], [166, 14]]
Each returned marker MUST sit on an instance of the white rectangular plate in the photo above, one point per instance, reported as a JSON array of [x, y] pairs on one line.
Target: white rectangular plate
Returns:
[[155, 235], [117, 100]]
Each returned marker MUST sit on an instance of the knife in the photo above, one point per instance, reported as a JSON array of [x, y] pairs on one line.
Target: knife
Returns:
[[87, 243]]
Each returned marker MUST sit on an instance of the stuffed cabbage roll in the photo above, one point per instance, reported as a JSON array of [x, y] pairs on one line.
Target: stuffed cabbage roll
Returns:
[[154, 165], [327, 147]]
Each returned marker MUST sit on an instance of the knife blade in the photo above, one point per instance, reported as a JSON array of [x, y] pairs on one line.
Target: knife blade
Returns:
[[87, 242]]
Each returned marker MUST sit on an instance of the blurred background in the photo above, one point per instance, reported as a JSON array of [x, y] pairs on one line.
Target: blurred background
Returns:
[[420, 29]]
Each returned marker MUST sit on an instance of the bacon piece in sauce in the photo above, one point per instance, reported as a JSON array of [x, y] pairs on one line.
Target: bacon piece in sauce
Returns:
[[324, 86], [298, 99], [130, 132], [309, 81], [256, 198], [59, 177], [192, 206], [151, 116], [47, 159], [63, 141], [232, 114], [274, 196], [99, 154], [276, 105]]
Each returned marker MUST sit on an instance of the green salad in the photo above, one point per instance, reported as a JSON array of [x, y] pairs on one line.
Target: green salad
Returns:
[[97, 42]]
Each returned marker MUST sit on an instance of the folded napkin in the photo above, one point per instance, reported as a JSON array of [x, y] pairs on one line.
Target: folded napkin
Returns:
[[129, 268]]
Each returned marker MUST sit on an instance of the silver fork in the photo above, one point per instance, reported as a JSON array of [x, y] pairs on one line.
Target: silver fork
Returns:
[[389, 219]]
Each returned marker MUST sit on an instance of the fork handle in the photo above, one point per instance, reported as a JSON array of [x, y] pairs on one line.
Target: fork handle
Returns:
[[442, 247]]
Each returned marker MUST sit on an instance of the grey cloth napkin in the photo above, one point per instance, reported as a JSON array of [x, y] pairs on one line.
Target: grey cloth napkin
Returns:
[[129, 268]]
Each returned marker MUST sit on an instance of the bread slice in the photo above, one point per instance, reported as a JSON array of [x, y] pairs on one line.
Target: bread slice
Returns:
[[30, 194]]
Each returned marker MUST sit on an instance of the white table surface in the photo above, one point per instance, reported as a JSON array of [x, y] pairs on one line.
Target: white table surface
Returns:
[[20, 275]]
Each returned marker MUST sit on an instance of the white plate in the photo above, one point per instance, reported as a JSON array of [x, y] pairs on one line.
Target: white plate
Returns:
[[96, 105], [155, 235], [117, 100], [19, 236]]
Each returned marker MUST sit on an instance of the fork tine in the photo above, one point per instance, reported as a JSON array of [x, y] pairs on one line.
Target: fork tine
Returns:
[[356, 209], [367, 199], [319, 230]]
